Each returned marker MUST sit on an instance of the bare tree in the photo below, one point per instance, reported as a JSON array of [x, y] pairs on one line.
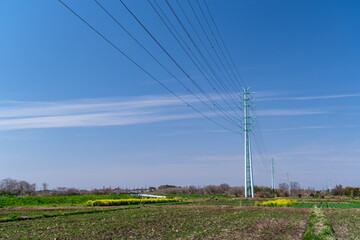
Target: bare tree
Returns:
[[45, 186], [192, 189], [338, 190], [224, 187], [9, 185], [235, 191], [284, 186], [15, 187], [295, 188], [212, 189]]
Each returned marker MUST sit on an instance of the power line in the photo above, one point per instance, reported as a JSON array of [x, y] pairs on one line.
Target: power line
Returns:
[[195, 45], [166, 69], [206, 49], [223, 42], [185, 47], [259, 142], [207, 37], [177, 64], [146, 72], [262, 154], [207, 23]]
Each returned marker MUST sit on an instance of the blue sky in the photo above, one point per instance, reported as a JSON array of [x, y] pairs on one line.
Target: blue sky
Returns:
[[74, 112]]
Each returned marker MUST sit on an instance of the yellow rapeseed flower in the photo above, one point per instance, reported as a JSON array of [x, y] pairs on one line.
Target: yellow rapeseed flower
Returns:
[[279, 203], [130, 201]]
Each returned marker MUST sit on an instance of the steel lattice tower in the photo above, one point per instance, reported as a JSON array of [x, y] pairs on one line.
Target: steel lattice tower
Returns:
[[273, 175], [249, 181], [288, 182]]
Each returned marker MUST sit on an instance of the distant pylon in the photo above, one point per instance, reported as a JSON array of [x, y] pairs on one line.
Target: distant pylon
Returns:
[[288, 182], [249, 181], [273, 175]]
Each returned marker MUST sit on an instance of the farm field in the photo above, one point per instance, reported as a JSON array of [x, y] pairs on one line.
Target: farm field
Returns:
[[196, 217], [346, 223], [302, 202], [166, 222], [24, 212], [223, 201]]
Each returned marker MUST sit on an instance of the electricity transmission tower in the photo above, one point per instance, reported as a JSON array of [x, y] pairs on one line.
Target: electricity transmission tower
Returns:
[[248, 128], [288, 182], [273, 175]]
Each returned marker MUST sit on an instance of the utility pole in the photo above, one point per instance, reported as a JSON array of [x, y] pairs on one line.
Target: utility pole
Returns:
[[329, 185], [249, 182], [273, 175], [288, 182]]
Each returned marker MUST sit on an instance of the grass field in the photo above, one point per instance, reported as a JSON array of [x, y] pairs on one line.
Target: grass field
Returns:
[[73, 200]]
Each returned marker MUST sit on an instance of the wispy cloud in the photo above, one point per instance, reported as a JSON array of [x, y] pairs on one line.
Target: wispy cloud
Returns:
[[114, 112], [91, 112], [300, 128], [311, 127], [190, 132], [326, 97], [290, 112], [87, 120], [310, 97]]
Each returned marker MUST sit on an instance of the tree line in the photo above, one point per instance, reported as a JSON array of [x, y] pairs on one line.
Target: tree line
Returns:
[[11, 186]]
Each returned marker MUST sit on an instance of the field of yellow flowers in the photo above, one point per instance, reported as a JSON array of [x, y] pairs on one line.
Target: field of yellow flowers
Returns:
[[130, 201], [277, 203]]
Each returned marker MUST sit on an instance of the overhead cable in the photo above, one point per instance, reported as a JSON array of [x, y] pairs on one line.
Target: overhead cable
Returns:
[[141, 68], [162, 65], [178, 65]]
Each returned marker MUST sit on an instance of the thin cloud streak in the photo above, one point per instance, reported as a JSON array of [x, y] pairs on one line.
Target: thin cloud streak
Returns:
[[24, 109], [289, 112], [326, 97], [311, 127], [299, 128], [311, 97], [92, 112], [89, 120], [111, 112]]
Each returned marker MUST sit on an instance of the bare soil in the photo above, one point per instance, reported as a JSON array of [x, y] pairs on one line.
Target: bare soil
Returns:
[[168, 222], [237, 208]]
